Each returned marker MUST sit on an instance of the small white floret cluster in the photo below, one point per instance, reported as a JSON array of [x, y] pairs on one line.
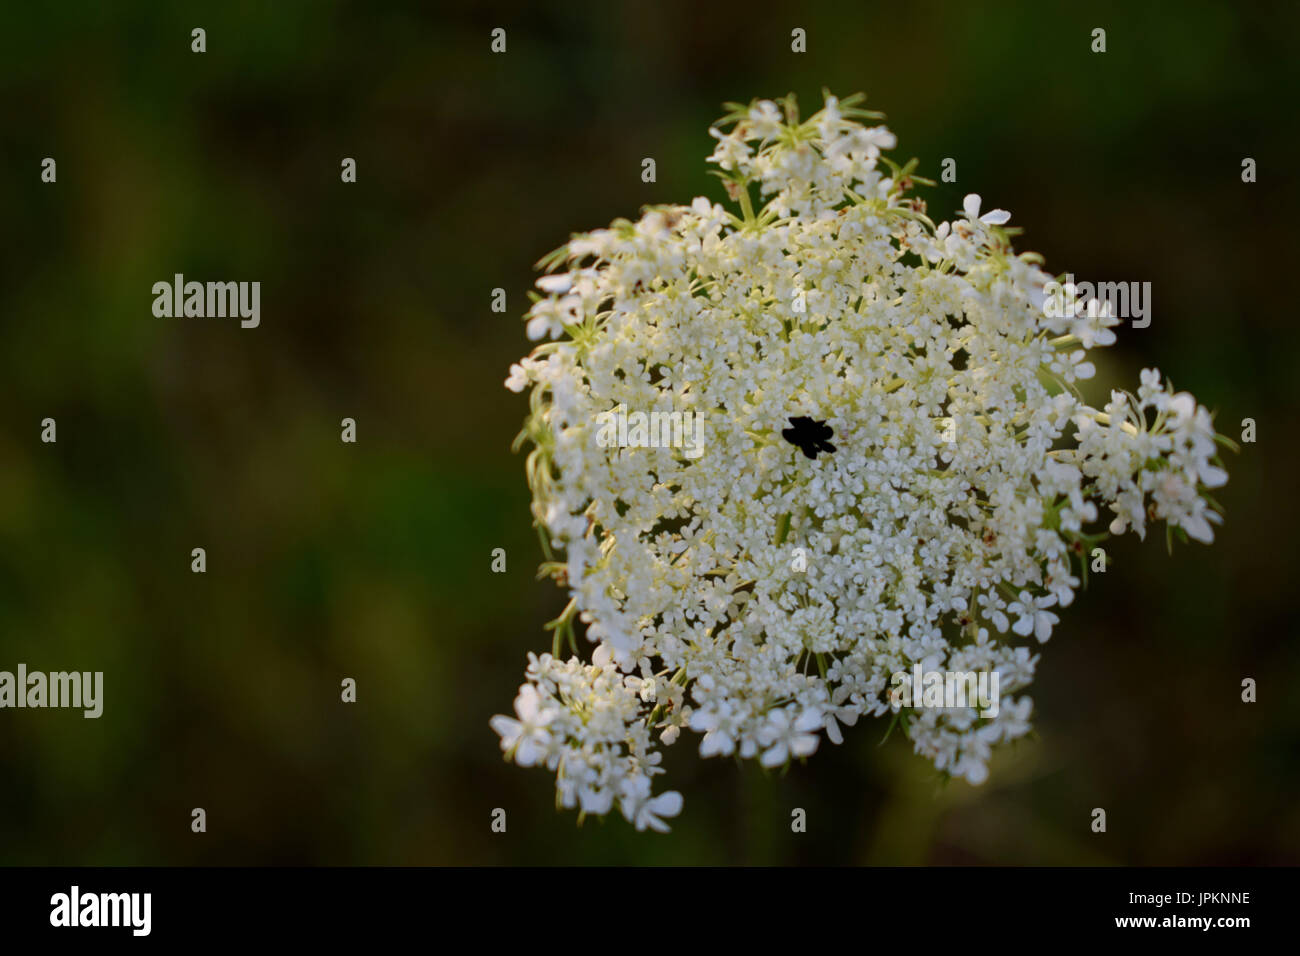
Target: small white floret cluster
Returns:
[[762, 595]]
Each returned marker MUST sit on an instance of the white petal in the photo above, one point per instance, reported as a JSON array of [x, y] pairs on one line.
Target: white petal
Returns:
[[667, 804], [556, 284], [775, 757]]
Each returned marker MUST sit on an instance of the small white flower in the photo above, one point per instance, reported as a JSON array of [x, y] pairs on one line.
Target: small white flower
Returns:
[[765, 120], [527, 736], [518, 378], [644, 811], [1032, 616], [994, 217], [786, 736]]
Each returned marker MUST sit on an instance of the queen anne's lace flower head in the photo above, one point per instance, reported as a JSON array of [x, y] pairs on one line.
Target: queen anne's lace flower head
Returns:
[[762, 594]]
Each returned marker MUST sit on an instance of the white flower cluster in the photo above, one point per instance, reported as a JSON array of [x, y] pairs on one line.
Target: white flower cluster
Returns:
[[765, 594], [586, 722]]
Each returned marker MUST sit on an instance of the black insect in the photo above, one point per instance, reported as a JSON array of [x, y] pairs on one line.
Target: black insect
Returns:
[[808, 436]]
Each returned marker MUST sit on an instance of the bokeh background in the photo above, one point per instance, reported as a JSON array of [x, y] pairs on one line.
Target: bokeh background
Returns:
[[372, 560]]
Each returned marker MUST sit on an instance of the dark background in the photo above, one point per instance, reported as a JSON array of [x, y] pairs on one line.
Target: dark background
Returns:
[[371, 560]]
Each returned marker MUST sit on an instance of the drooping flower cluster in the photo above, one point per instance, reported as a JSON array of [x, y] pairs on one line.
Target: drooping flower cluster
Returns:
[[761, 594]]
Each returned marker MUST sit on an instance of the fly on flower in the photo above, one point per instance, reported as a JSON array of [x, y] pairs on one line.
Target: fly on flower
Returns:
[[808, 436]]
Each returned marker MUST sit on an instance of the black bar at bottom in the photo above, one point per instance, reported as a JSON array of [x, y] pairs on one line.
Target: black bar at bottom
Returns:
[[872, 906]]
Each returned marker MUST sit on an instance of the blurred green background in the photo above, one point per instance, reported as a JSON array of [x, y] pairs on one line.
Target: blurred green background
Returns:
[[371, 561]]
